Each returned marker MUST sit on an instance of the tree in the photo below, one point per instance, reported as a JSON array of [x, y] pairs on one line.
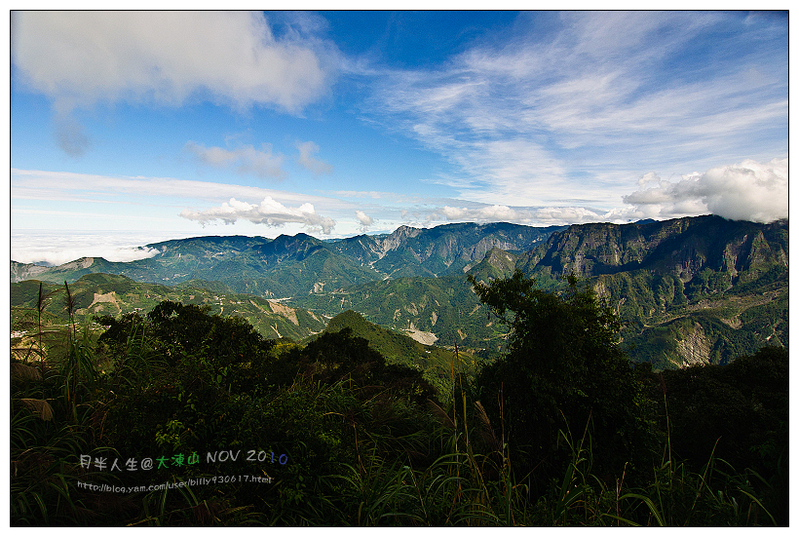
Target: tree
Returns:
[[336, 356], [563, 370]]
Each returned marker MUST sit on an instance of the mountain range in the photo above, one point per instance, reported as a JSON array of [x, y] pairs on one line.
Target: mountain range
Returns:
[[295, 265], [698, 289]]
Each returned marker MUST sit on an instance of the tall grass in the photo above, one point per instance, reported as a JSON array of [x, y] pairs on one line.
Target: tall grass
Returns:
[[470, 488], [50, 423], [677, 496]]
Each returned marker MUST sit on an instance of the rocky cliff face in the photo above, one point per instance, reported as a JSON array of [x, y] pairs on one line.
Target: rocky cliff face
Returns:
[[25, 271], [682, 247], [692, 290], [694, 348], [440, 250]]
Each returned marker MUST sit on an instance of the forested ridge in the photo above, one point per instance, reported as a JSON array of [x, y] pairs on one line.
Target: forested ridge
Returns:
[[227, 427]]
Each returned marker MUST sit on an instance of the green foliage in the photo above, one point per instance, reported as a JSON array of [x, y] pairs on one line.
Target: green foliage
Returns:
[[336, 356], [563, 365]]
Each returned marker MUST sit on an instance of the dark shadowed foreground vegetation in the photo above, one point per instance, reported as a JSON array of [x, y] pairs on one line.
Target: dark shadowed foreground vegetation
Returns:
[[179, 417]]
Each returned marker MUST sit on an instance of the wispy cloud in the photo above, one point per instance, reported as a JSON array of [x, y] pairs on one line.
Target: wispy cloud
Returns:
[[245, 159], [70, 135], [538, 118], [383, 196], [88, 188], [308, 161], [269, 212]]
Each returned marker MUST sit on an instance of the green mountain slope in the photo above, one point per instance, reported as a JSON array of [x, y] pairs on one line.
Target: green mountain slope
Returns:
[[443, 311], [104, 294], [436, 363], [682, 285]]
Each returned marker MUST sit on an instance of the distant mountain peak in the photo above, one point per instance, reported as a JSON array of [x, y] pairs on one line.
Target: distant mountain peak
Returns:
[[406, 231]]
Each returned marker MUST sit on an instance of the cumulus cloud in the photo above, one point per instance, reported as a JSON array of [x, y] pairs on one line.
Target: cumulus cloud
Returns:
[[269, 212], [558, 216], [454, 213], [80, 58], [364, 220], [245, 159], [309, 162], [747, 191], [547, 216]]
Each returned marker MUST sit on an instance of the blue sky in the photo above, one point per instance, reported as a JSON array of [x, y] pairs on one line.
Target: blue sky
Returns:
[[133, 127]]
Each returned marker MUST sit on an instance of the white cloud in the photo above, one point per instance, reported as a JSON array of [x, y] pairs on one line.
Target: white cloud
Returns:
[[364, 218], [244, 159], [269, 212], [309, 162], [537, 216], [364, 221], [81, 187], [56, 248], [455, 213], [481, 214], [80, 58], [558, 216], [498, 212], [747, 191], [535, 118]]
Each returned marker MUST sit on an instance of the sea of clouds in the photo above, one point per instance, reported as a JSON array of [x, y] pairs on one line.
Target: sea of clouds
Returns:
[[56, 248]]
